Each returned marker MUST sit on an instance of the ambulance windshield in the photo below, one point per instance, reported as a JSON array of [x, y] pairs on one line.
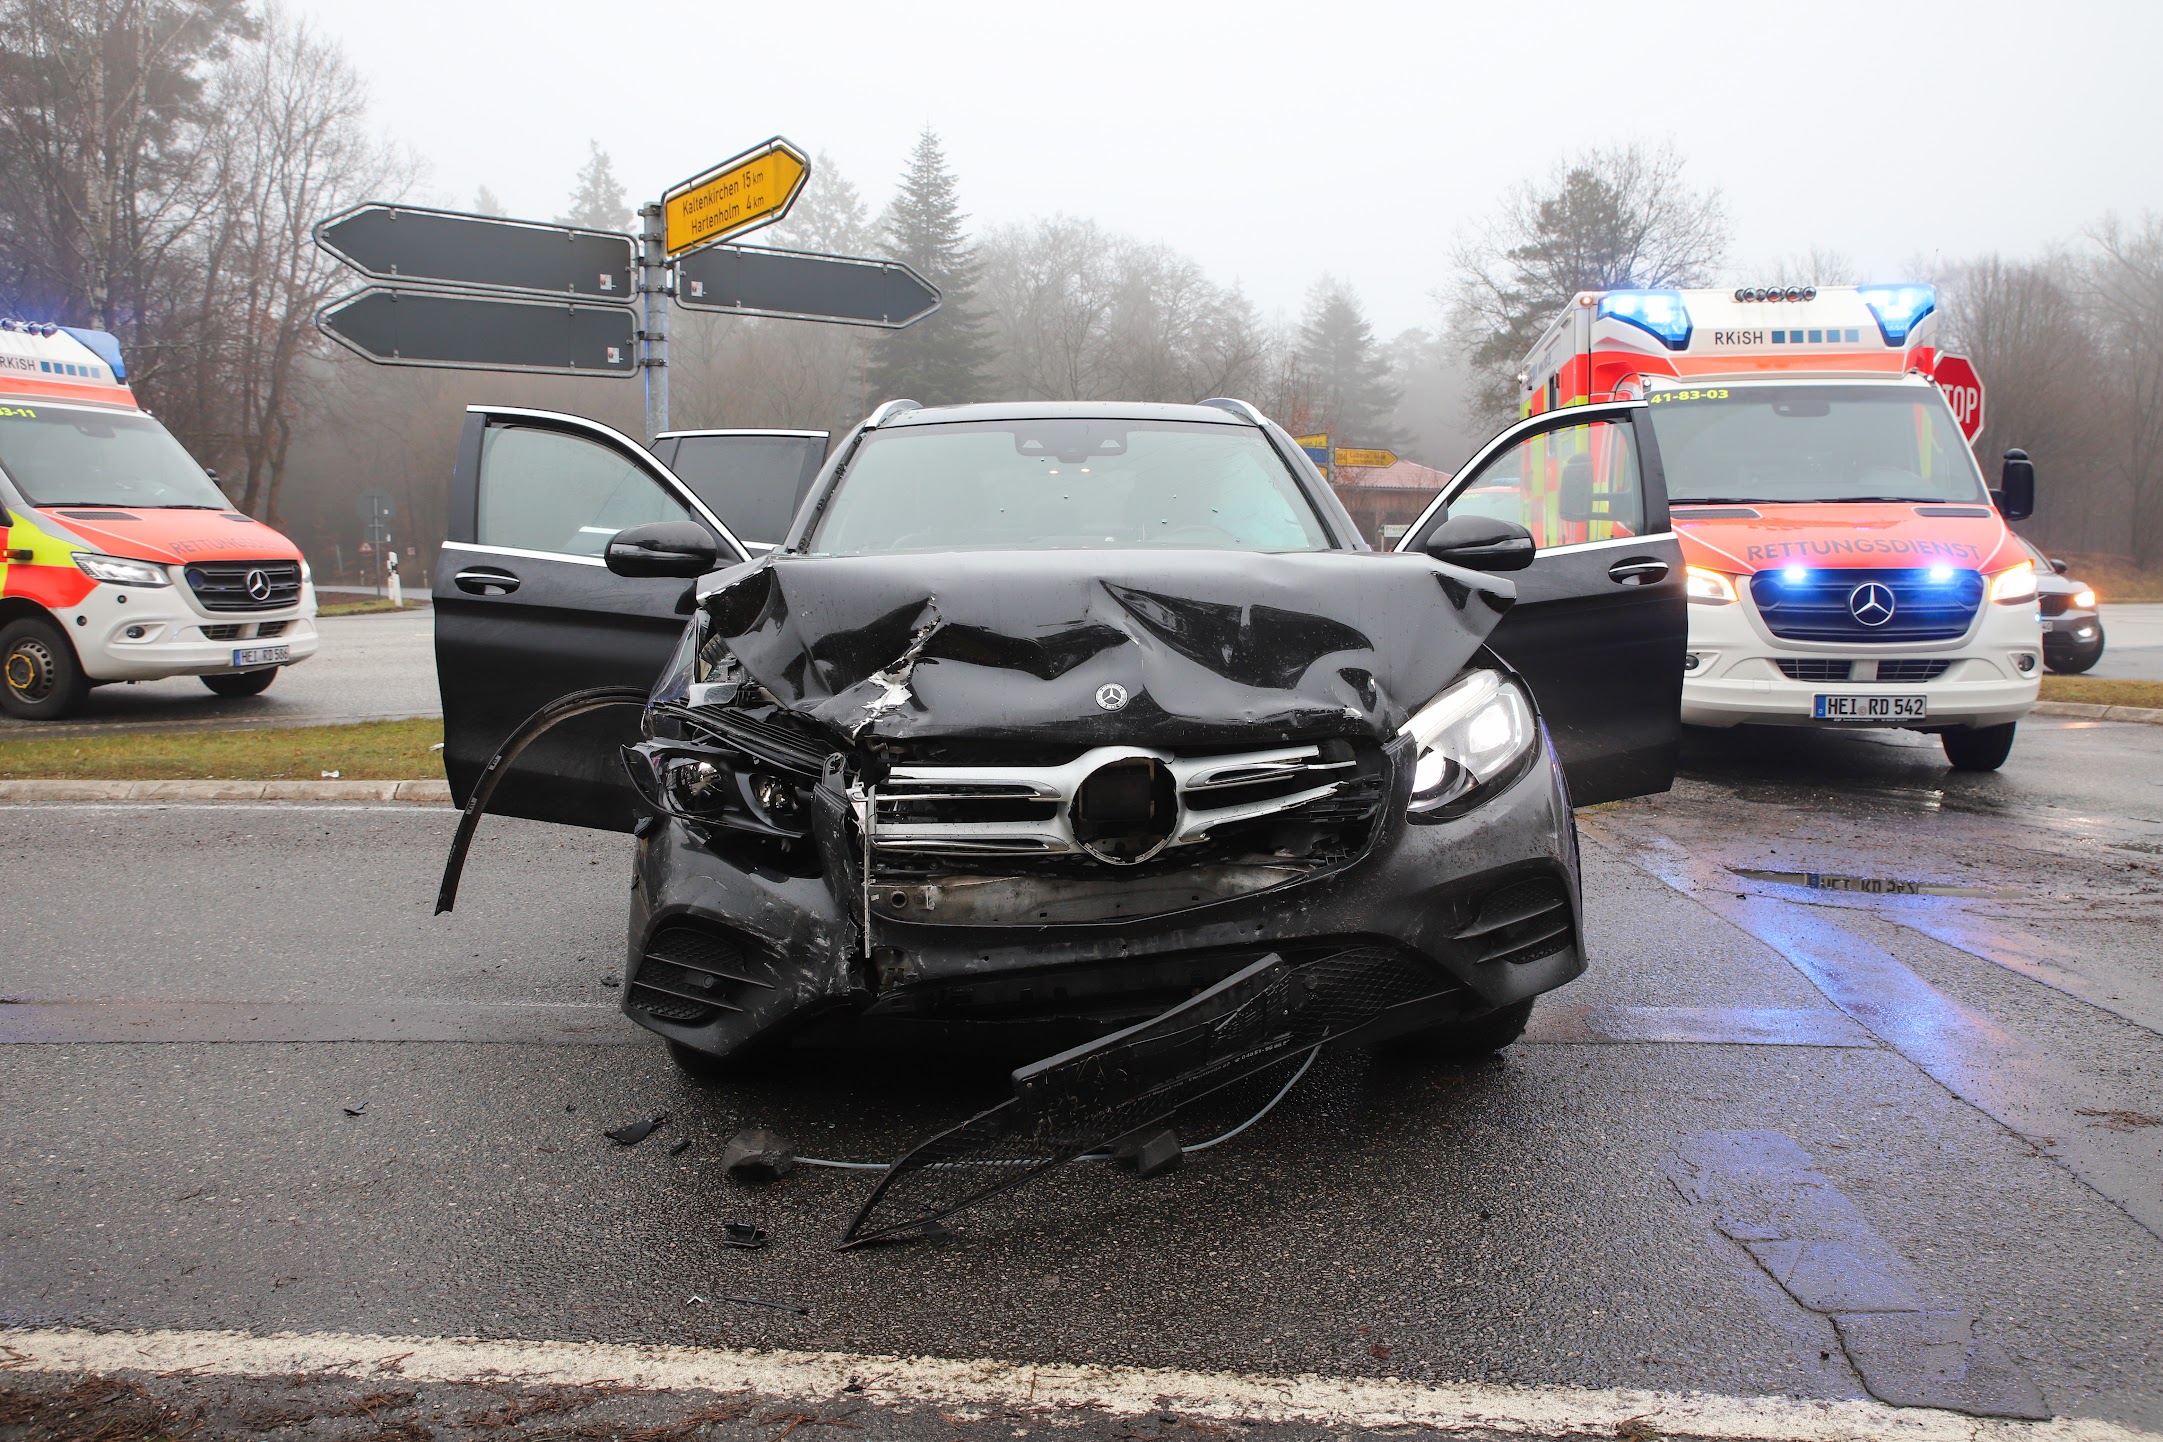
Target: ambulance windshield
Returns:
[[69, 456], [1777, 444]]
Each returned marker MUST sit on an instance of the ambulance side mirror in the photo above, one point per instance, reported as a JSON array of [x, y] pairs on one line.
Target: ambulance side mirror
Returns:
[[2015, 495]]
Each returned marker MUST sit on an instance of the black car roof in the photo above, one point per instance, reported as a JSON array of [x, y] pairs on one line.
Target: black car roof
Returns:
[[1065, 410]]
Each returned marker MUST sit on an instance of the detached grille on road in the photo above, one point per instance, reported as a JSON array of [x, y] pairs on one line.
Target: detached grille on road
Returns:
[[1823, 605], [244, 585]]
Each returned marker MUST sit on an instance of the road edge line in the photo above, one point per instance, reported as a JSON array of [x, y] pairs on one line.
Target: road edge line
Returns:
[[1304, 1398]]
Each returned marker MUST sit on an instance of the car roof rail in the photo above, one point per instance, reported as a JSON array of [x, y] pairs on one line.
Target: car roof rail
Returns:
[[1238, 408], [890, 409]]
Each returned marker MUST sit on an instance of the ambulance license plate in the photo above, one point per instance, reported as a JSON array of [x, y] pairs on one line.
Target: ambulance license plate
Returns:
[[272, 655], [1871, 708]]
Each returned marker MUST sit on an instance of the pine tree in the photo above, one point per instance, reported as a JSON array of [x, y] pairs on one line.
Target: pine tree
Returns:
[[485, 202], [941, 359], [597, 201], [1345, 370]]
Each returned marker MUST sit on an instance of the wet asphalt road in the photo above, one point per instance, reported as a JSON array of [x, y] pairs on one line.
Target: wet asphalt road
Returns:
[[2132, 643], [1659, 1190], [368, 668]]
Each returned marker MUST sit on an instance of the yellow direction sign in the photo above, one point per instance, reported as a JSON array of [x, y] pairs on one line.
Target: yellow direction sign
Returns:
[[1364, 460], [754, 189], [1311, 443]]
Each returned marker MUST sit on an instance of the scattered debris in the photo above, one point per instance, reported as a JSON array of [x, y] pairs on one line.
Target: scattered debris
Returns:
[[1637, 1429], [747, 1235], [1150, 1152], [2120, 1120], [756, 1156], [361, 1110], [680, 1148], [611, 982], [632, 1133]]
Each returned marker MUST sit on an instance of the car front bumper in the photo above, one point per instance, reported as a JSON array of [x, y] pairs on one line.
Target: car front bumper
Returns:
[[171, 637], [770, 953], [1738, 678]]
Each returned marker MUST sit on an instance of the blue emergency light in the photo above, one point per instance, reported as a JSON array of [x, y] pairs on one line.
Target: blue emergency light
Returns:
[[1661, 312], [1897, 308]]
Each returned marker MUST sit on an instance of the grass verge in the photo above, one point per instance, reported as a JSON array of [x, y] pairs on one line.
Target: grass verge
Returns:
[[371, 607], [2097, 691], [366, 751]]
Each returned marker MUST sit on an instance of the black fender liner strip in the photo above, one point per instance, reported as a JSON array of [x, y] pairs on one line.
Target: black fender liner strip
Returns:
[[563, 708], [1271, 1014]]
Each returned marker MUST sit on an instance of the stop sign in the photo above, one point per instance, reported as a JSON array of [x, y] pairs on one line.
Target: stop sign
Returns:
[[1963, 391]]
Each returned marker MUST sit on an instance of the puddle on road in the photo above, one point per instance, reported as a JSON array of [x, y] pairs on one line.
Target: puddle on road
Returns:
[[1866, 885]]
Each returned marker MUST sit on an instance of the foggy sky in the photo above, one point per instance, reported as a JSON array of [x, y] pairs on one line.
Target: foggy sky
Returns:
[[1276, 142]]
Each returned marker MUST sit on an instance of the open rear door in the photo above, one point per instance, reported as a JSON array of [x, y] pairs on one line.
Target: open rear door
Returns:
[[526, 610], [1601, 615]]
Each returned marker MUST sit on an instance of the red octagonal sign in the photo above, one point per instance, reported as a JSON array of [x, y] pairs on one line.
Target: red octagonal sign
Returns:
[[1963, 391]]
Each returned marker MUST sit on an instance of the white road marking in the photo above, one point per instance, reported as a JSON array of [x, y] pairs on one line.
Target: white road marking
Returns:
[[1330, 1401]]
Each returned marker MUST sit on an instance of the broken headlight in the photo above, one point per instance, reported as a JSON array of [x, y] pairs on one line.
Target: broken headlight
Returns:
[[1473, 739], [705, 784]]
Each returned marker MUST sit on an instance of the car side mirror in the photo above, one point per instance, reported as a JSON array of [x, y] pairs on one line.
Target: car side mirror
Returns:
[[2015, 495], [1481, 543], [663, 548], [2059, 566]]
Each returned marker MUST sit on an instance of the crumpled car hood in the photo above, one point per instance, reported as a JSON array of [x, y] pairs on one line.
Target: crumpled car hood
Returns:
[[1207, 645]]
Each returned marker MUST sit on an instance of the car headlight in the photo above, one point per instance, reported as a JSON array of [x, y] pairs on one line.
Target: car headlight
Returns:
[[120, 570], [2014, 584], [1709, 588], [2084, 600], [1473, 739]]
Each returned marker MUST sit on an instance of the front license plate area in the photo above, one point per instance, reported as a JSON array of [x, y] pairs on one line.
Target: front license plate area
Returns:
[[274, 655], [1871, 708]]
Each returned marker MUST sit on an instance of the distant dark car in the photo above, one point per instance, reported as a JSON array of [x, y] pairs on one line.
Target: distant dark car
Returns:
[[2072, 628]]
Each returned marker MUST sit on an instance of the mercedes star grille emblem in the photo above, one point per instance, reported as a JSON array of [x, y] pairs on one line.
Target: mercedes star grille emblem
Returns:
[[1871, 603], [1111, 696]]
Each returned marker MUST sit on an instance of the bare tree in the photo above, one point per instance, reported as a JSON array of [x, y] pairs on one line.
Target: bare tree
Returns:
[[2124, 301], [1603, 220]]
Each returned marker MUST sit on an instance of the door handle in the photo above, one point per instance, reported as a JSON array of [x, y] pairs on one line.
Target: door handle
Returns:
[[484, 581], [1637, 571]]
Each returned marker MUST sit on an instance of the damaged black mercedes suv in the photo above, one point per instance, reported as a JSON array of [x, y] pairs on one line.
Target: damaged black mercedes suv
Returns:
[[1054, 715]]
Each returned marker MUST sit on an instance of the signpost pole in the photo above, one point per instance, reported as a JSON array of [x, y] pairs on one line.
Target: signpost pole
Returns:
[[653, 291]]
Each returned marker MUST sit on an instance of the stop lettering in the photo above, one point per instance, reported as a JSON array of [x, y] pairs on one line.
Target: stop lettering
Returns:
[[1963, 391]]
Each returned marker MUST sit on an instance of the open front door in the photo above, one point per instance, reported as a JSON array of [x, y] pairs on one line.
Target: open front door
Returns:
[[1600, 620], [526, 610]]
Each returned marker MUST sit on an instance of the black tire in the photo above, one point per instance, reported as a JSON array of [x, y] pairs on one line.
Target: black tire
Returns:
[[1978, 748], [40, 679], [1463, 1042], [2073, 662], [241, 683]]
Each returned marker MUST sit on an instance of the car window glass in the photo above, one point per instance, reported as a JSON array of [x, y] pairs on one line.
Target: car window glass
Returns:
[[1043, 484], [753, 483], [1566, 486], [546, 491]]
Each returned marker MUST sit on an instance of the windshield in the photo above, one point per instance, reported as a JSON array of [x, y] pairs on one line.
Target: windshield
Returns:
[[753, 483], [1068, 483], [1812, 443], [63, 456]]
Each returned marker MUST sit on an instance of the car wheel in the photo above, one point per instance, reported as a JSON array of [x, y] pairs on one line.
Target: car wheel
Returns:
[[1978, 748], [1470, 1041], [2073, 662], [242, 683], [40, 679]]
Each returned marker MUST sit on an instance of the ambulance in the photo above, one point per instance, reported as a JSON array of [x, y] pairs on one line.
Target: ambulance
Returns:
[[120, 559], [1846, 562]]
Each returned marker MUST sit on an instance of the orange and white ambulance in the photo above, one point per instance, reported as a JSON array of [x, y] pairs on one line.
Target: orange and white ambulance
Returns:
[[1847, 563], [120, 559]]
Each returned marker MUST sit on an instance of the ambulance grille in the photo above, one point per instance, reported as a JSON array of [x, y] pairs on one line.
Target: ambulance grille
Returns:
[[1820, 605], [233, 585], [1814, 668]]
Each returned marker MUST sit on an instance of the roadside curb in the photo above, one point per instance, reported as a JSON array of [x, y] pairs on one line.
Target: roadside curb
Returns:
[[424, 792], [2140, 715]]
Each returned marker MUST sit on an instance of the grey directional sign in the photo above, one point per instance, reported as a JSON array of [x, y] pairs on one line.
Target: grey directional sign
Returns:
[[392, 326], [445, 247], [802, 285]]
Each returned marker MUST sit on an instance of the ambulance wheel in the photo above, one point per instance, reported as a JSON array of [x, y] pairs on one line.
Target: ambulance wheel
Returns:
[[1978, 748], [40, 679], [242, 683]]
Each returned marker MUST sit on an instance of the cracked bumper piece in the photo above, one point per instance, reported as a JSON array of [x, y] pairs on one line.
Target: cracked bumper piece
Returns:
[[726, 952]]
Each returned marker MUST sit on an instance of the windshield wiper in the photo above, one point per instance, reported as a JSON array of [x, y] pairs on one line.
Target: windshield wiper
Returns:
[[184, 506], [1859, 500], [1709, 500]]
